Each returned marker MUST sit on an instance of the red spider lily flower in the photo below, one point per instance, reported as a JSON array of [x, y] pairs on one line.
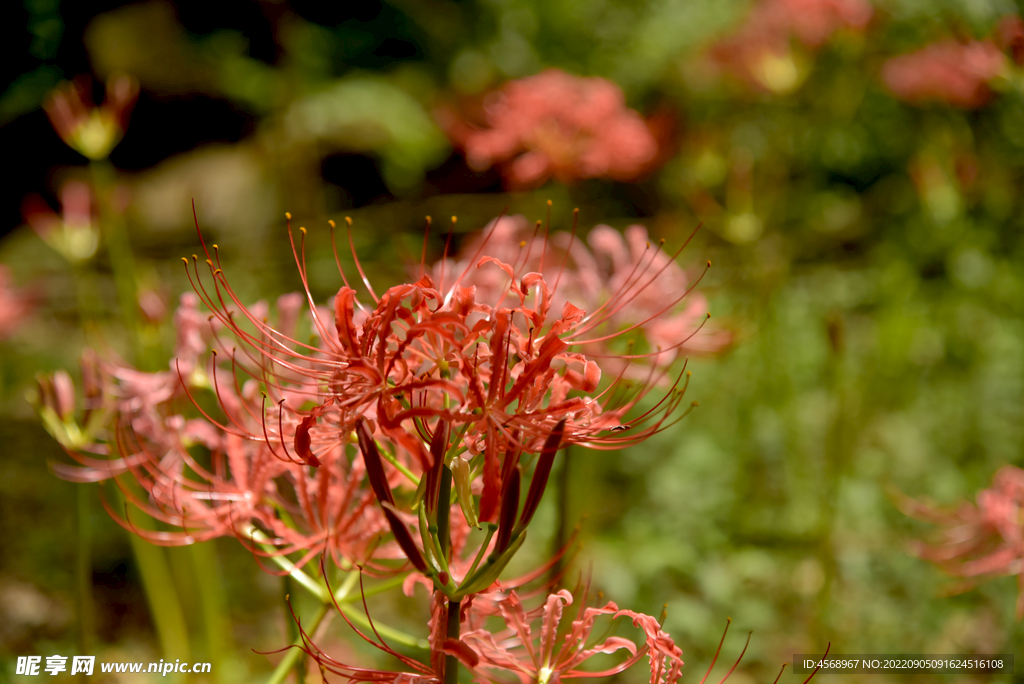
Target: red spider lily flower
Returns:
[[93, 131], [532, 651], [620, 275], [760, 53], [950, 71], [75, 233], [986, 540], [207, 477], [556, 124], [499, 373], [497, 377]]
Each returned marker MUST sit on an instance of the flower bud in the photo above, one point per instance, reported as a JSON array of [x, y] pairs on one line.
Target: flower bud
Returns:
[[463, 486], [90, 130]]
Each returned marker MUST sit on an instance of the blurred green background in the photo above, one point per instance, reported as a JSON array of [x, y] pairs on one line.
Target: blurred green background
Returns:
[[867, 253]]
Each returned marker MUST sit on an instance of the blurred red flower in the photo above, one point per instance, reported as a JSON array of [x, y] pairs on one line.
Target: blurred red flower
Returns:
[[557, 125], [949, 71], [983, 540], [759, 51], [535, 646]]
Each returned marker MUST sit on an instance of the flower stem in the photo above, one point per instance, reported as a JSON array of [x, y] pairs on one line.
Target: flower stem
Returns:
[[343, 596], [162, 595], [390, 458], [161, 591], [119, 250], [216, 621], [451, 663], [292, 656], [86, 608], [293, 629], [491, 527]]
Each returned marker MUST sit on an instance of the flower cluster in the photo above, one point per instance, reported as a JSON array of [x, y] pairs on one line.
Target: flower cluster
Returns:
[[955, 72], [556, 124], [92, 131], [388, 430], [503, 637], [760, 51], [983, 540], [207, 477], [622, 277], [533, 651], [960, 73]]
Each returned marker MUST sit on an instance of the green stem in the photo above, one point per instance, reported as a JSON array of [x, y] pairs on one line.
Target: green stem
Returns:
[[293, 628], [451, 663], [119, 250], [161, 593], [86, 607], [390, 458], [213, 607], [291, 658], [310, 584], [358, 617], [343, 596], [491, 528]]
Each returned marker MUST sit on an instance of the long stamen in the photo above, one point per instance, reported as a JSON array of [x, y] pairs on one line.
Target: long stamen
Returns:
[[359, 265]]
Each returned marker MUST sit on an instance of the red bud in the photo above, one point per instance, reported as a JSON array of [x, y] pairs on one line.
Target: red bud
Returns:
[[541, 474], [374, 465]]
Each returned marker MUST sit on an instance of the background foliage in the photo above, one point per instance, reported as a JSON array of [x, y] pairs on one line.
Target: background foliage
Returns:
[[866, 251]]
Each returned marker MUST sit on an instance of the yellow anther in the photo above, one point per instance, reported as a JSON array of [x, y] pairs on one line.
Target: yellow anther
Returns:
[[210, 263], [332, 224], [455, 220], [429, 220], [288, 215], [215, 248], [709, 263], [348, 220], [185, 259], [522, 243], [549, 203], [302, 228]]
